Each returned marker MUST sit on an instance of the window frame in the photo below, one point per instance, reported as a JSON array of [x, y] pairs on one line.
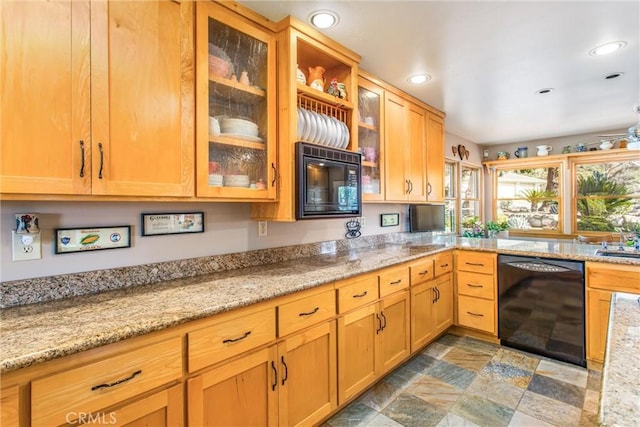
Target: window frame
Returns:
[[531, 163], [459, 164], [574, 162]]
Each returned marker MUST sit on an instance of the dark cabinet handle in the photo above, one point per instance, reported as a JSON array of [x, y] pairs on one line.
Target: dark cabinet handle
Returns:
[[476, 264], [275, 174], [275, 376], [410, 186], [407, 190], [314, 311], [385, 320], [124, 380], [437, 295], [101, 160], [379, 323], [444, 265], [397, 282], [360, 295], [246, 334], [286, 370], [81, 158], [474, 286], [428, 188], [475, 314], [422, 273]]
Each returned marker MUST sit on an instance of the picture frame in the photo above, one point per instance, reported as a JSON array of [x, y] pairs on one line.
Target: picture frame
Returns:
[[157, 224], [389, 219], [85, 239]]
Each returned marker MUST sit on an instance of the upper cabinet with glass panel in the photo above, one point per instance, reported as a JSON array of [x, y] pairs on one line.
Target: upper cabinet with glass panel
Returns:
[[370, 133], [235, 106]]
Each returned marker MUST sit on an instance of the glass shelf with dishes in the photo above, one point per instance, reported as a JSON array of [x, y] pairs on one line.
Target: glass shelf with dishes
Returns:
[[235, 78], [369, 139]]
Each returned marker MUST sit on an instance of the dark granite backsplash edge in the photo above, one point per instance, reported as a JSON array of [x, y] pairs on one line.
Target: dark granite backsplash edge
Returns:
[[42, 289]]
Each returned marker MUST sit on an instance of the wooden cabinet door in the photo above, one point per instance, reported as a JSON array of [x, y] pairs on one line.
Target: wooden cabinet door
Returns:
[[45, 105], [395, 342], [396, 185], [443, 305], [142, 98], [422, 323], [415, 153], [358, 333], [162, 409], [308, 376], [243, 392], [435, 158], [598, 303], [10, 407]]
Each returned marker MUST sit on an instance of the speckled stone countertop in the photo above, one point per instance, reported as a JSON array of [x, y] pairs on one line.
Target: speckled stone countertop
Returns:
[[35, 333], [620, 397]]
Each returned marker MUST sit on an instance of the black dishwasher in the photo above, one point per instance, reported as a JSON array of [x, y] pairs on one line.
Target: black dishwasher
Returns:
[[541, 307]]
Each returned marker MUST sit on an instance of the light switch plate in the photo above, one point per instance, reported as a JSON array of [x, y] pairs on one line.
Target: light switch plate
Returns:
[[25, 252]]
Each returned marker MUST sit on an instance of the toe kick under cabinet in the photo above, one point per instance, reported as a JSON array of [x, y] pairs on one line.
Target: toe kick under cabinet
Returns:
[[476, 283]]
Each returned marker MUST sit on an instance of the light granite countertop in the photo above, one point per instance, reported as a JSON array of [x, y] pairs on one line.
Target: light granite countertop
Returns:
[[620, 397], [35, 333]]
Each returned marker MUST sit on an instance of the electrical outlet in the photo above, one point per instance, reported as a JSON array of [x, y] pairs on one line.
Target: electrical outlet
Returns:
[[26, 247], [262, 228]]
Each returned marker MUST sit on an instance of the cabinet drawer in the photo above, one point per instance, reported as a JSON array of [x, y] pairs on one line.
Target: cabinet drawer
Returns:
[[476, 313], [476, 262], [393, 280], [212, 344], [305, 312], [357, 294], [421, 271], [613, 277], [101, 384], [476, 285], [443, 263]]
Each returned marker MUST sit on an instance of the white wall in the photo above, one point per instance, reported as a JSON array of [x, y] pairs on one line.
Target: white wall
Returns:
[[228, 229]]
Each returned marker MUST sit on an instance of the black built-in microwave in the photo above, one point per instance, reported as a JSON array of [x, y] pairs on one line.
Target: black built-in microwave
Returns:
[[327, 182]]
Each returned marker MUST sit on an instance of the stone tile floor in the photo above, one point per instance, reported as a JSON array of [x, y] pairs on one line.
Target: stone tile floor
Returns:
[[461, 381]]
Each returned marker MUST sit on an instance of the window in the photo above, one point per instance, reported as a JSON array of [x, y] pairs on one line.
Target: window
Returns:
[[529, 198], [606, 194], [469, 192], [450, 197]]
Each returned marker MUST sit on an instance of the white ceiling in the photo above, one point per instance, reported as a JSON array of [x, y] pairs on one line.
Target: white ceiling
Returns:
[[488, 58]]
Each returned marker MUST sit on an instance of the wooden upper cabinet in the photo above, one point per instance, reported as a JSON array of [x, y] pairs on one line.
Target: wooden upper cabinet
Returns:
[[435, 158], [396, 185], [415, 153], [97, 98], [371, 138], [301, 48], [142, 98], [236, 106], [45, 111]]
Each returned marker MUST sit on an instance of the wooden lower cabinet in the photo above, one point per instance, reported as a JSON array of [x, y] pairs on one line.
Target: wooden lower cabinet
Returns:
[[161, 409], [598, 303], [371, 341], [431, 310], [10, 405], [443, 305], [290, 383]]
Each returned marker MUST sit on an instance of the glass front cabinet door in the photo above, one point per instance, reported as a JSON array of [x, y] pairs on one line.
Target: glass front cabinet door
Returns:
[[370, 132], [235, 106]]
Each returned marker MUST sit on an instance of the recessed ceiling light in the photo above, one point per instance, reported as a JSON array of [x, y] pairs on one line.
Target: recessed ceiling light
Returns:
[[613, 76], [323, 19], [544, 91], [607, 48], [419, 78]]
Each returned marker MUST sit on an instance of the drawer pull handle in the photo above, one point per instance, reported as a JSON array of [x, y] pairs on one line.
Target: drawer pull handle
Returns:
[[315, 310], [444, 265], [360, 295], [475, 314], [422, 273], [124, 380], [477, 264], [246, 334], [396, 282], [474, 286], [275, 376], [286, 370]]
